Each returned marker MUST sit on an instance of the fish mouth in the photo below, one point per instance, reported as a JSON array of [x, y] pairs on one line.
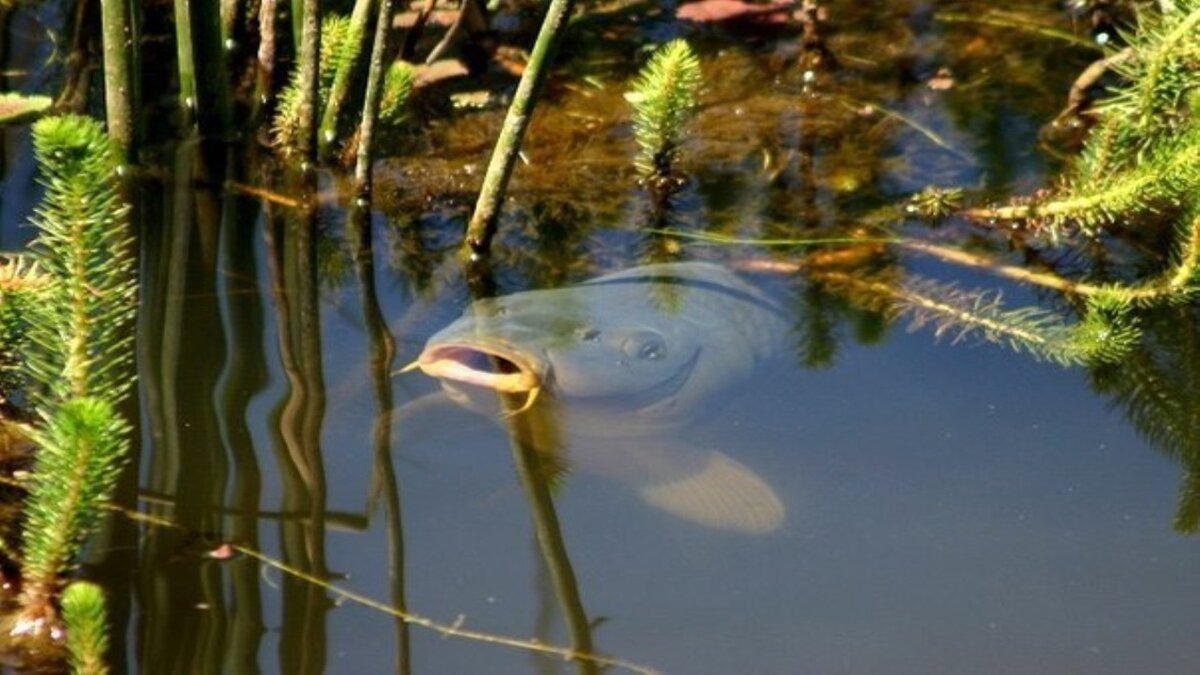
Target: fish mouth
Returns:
[[494, 365]]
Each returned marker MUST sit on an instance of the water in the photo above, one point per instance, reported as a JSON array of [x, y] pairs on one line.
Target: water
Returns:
[[950, 508]]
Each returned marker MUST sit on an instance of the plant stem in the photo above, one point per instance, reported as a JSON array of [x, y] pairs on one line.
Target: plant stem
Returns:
[[186, 56], [482, 227], [310, 52], [118, 95], [366, 134], [359, 18], [267, 44]]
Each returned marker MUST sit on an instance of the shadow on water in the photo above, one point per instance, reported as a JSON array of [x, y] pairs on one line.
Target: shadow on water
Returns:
[[940, 510]]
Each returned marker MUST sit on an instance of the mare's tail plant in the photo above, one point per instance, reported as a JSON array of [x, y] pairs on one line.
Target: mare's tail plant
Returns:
[[664, 98], [87, 629], [77, 361], [341, 42], [1143, 155]]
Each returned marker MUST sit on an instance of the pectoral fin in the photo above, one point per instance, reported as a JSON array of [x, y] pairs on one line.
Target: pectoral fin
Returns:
[[723, 494], [702, 486]]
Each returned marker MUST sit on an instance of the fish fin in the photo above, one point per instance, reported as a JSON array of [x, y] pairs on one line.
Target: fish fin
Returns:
[[720, 493]]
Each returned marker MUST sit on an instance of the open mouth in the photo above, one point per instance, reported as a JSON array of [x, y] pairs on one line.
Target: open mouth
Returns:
[[494, 367]]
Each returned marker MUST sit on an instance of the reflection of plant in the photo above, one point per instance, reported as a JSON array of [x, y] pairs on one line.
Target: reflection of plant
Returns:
[[664, 98], [965, 314], [339, 48], [1158, 387]]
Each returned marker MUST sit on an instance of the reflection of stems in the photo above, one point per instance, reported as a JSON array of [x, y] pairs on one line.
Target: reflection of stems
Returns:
[[293, 270], [445, 630], [243, 377], [531, 470], [383, 350], [537, 429], [482, 227]]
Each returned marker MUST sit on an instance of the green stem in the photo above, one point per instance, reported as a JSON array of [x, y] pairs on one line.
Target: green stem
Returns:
[[374, 93], [482, 227], [360, 17], [118, 95], [186, 56], [310, 53]]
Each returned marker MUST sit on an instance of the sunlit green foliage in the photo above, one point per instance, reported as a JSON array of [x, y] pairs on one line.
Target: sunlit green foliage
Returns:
[[339, 47], [79, 349], [664, 97], [1143, 156], [80, 452], [80, 342], [961, 314], [83, 608], [21, 285], [398, 85]]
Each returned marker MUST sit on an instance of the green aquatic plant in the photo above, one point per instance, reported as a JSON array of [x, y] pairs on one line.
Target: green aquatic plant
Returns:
[[398, 84], [339, 49], [963, 314], [21, 285], [80, 452], [1143, 156], [79, 335], [76, 361], [664, 98], [84, 612]]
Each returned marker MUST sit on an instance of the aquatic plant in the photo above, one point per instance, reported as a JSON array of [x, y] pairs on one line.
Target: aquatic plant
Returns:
[[377, 85], [83, 608], [1143, 156], [398, 83], [664, 97], [338, 49], [79, 337], [78, 353], [118, 91], [963, 314], [21, 283], [482, 226]]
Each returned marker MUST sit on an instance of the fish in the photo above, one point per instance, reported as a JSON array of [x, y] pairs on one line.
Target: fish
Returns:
[[623, 364]]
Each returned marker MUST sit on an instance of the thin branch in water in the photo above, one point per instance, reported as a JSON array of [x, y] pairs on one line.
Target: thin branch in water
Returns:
[[447, 630]]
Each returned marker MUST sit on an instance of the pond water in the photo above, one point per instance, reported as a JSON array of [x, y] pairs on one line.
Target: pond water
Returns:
[[946, 507]]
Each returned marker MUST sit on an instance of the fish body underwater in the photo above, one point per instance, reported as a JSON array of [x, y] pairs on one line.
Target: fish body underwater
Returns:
[[620, 365]]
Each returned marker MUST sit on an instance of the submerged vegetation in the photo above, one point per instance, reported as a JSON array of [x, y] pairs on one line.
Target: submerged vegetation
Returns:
[[1114, 245]]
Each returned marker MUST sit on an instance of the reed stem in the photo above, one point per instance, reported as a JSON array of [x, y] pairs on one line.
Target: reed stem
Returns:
[[118, 94], [372, 97], [482, 227], [310, 53], [360, 17]]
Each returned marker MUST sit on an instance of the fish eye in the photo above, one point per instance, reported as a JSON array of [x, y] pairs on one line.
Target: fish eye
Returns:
[[652, 350], [588, 334], [645, 346]]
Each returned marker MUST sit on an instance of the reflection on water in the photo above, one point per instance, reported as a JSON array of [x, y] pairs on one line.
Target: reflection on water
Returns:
[[939, 509]]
